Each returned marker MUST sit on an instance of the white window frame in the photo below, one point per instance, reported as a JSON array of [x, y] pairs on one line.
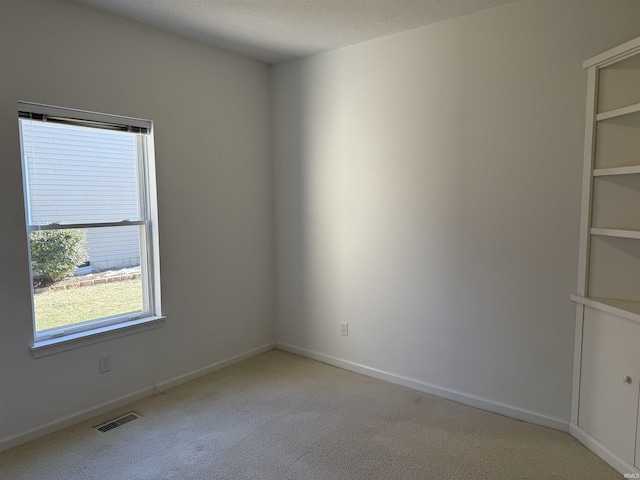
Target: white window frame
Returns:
[[63, 338]]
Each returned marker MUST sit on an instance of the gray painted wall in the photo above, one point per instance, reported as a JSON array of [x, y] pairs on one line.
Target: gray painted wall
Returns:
[[428, 193], [210, 111]]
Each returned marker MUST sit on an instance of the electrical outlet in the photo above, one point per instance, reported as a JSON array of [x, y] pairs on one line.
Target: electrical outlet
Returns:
[[344, 329], [104, 363]]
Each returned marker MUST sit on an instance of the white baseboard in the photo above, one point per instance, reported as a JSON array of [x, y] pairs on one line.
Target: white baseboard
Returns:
[[201, 372], [604, 452], [460, 397], [72, 419], [77, 417]]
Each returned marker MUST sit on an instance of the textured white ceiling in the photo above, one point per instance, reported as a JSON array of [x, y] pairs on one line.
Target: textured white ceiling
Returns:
[[276, 30]]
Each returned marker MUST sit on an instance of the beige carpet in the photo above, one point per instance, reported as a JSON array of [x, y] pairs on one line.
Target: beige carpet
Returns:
[[279, 416]]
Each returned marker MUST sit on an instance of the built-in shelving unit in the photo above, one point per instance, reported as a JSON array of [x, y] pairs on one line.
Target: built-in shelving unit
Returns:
[[605, 414]]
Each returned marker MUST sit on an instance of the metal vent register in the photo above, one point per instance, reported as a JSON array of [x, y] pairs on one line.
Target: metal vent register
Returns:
[[116, 422]]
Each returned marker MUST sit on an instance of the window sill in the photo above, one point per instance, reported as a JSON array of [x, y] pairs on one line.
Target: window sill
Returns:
[[81, 339]]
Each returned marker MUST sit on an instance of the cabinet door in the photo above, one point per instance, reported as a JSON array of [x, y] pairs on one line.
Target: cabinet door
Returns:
[[608, 407]]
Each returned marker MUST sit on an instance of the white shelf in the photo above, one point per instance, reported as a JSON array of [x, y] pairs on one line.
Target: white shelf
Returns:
[[613, 55], [603, 172], [622, 308], [610, 232], [618, 112]]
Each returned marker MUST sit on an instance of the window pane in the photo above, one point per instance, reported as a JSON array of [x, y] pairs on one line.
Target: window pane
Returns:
[[78, 174], [110, 281]]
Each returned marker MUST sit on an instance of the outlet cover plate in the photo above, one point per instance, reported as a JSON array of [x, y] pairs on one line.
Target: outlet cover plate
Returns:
[[104, 363]]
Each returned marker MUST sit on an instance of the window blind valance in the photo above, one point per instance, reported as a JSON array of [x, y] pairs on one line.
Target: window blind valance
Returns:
[[81, 118]]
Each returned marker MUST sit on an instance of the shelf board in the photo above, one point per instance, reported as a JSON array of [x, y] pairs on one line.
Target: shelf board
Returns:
[[602, 172], [622, 308], [614, 55], [618, 112], [610, 232]]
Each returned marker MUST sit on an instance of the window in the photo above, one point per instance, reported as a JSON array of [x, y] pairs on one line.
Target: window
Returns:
[[89, 187]]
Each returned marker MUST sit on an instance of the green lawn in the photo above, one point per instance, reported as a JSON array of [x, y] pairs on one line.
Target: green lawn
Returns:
[[63, 307]]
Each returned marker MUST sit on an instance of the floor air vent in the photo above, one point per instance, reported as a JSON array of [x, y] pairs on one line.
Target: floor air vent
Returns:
[[115, 423]]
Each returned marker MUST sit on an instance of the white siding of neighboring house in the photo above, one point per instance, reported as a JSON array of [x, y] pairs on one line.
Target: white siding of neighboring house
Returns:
[[83, 175]]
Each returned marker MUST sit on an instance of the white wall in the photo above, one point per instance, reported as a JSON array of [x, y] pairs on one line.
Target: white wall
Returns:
[[211, 116], [427, 192]]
